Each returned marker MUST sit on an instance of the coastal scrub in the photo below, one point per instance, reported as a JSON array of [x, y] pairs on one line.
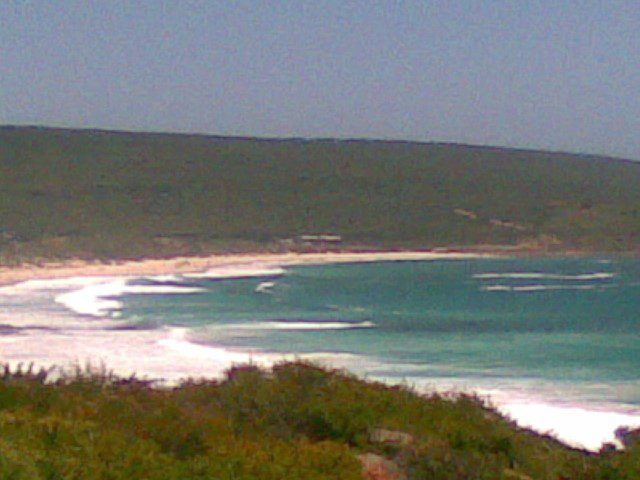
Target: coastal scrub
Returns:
[[295, 421]]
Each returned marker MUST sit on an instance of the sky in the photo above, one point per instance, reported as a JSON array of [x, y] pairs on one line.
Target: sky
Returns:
[[554, 75]]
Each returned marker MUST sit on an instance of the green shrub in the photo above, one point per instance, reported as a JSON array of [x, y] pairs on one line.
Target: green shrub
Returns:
[[295, 421]]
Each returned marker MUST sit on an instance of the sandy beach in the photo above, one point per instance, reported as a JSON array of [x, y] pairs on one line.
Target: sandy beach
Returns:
[[69, 313], [80, 268]]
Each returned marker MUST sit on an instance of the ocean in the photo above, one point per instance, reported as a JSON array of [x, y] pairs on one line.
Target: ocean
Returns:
[[551, 342]]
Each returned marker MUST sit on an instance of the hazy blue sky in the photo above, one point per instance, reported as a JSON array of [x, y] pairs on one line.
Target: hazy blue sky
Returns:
[[544, 74]]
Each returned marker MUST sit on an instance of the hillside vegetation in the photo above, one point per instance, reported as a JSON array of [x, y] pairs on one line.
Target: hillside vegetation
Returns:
[[296, 421], [100, 194]]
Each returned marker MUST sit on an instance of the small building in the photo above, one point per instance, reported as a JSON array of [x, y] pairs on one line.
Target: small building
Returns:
[[321, 239]]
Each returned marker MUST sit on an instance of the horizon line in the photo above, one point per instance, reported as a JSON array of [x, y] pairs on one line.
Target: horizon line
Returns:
[[320, 139]]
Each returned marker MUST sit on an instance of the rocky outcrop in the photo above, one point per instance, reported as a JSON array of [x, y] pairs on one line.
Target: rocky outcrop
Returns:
[[390, 437], [376, 467]]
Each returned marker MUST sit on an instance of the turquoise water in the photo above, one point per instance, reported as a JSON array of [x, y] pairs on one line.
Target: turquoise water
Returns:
[[562, 328], [554, 343]]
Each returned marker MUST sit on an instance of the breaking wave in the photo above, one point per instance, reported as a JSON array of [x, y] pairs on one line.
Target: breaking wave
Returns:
[[265, 287], [536, 288], [311, 325], [102, 299], [292, 325], [238, 272], [550, 276]]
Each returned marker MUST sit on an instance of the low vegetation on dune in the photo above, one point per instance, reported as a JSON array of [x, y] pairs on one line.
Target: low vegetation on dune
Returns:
[[113, 195], [100, 194], [294, 421]]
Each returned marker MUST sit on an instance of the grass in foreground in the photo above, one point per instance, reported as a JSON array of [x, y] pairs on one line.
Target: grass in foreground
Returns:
[[296, 421]]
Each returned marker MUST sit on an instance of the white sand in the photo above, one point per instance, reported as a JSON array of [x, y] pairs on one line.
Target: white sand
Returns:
[[79, 268], [168, 354]]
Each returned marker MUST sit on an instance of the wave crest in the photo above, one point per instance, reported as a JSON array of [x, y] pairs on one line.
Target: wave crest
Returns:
[[536, 288], [237, 272], [540, 275], [101, 300]]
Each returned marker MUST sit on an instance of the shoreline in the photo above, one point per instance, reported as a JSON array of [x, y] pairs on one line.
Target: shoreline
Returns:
[[191, 264], [180, 264], [530, 413]]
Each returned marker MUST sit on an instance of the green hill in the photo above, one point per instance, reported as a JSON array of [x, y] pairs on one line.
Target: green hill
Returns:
[[92, 193]]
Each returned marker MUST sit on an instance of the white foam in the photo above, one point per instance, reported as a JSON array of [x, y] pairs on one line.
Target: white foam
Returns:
[[538, 275], [170, 354], [576, 426], [535, 288], [49, 285], [579, 424], [237, 272], [156, 354], [282, 325], [161, 290], [164, 278], [497, 288], [265, 287], [177, 341], [101, 300], [309, 325], [94, 300]]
